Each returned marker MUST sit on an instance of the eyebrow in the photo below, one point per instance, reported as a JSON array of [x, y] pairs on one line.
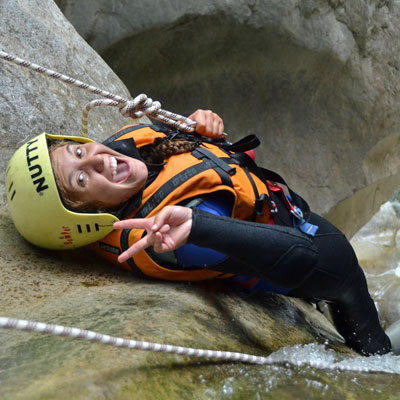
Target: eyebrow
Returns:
[[68, 147]]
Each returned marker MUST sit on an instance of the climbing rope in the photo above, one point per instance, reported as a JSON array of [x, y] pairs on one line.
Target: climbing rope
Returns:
[[272, 359], [135, 108]]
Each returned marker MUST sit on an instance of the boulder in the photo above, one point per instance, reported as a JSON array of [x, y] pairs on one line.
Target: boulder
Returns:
[[318, 81], [77, 289]]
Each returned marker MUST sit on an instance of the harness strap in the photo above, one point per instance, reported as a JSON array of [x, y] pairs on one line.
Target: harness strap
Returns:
[[244, 160], [258, 203], [297, 199], [267, 175], [201, 153], [249, 142]]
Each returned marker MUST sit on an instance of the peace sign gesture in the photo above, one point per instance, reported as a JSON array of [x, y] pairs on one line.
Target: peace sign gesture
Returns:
[[166, 231]]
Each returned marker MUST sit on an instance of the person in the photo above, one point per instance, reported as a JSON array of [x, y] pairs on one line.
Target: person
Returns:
[[177, 206]]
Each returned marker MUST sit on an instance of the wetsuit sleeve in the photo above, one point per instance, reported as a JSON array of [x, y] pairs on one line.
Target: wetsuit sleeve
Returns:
[[278, 254]]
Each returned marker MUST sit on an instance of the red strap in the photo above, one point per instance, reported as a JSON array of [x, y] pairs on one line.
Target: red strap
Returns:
[[251, 154], [273, 187]]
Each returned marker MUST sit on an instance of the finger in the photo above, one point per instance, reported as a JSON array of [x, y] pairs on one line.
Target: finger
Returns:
[[164, 229], [214, 125], [135, 248], [221, 127], [214, 128], [201, 127], [158, 238], [209, 124], [134, 223], [200, 118], [162, 243], [161, 218]]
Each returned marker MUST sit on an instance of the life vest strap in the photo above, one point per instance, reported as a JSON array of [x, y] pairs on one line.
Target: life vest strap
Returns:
[[124, 242], [201, 153], [249, 142], [172, 184]]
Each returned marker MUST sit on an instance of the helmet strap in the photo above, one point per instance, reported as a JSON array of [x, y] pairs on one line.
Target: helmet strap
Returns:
[[127, 147]]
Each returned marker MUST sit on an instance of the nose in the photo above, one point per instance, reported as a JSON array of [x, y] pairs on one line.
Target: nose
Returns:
[[95, 162]]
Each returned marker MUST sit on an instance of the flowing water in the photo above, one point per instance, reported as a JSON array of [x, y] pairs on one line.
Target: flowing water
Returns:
[[378, 248]]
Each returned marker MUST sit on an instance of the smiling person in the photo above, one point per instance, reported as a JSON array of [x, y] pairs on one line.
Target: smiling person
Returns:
[[175, 206], [92, 176]]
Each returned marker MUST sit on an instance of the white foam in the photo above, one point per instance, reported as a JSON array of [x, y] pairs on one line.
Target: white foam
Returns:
[[318, 356]]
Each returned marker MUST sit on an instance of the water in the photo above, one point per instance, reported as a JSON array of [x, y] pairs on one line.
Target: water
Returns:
[[377, 246], [321, 357]]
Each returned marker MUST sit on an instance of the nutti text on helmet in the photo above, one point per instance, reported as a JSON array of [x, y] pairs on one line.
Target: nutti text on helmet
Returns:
[[36, 169]]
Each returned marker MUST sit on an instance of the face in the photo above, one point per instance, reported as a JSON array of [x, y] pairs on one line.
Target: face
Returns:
[[93, 173]]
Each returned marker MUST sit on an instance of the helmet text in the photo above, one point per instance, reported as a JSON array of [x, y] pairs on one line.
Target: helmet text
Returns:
[[35, 169]]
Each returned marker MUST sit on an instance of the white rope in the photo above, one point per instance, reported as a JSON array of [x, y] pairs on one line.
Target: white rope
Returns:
[[138, 107], [77, 333], [134, 109]]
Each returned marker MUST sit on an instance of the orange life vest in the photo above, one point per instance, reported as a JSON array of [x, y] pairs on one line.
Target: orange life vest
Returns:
[[206, 169]]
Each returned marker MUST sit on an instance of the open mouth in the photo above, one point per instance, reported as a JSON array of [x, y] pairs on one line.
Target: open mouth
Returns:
[[119, 170]]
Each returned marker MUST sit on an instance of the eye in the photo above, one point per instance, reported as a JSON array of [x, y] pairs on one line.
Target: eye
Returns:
[[81, 179], [78, 152]]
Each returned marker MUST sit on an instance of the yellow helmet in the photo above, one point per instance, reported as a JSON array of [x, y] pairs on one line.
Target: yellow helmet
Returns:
[[35, 204]]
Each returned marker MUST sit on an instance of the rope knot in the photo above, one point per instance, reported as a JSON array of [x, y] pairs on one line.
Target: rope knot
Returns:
[[140, 106]]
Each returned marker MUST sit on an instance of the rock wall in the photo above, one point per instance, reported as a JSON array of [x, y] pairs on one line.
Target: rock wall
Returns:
[[77, 289], [318, 81]]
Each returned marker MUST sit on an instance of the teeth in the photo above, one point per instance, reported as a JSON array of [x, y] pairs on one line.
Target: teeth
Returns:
[[113, 167]]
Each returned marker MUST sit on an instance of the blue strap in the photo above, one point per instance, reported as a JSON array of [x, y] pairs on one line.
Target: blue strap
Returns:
[[300, 223]]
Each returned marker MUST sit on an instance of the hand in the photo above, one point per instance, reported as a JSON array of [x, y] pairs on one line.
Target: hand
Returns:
[[166, 231], [208, 123]]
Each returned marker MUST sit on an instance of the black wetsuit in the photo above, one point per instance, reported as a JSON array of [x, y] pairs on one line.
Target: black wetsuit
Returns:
[[322, 267]]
